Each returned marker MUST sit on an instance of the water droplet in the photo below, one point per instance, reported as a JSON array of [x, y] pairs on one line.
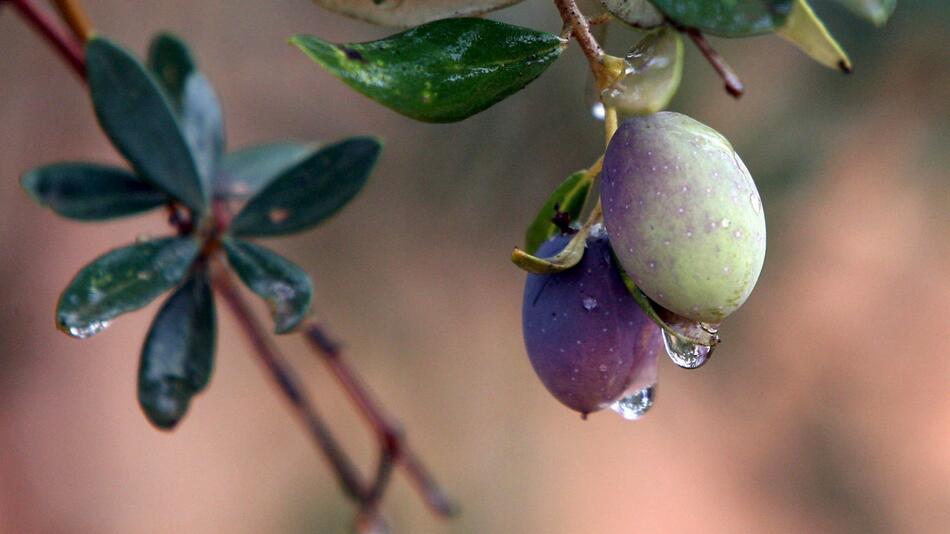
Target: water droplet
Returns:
[[597, 111], [635, 405], [83, 331], [589, 303], [684, 353]]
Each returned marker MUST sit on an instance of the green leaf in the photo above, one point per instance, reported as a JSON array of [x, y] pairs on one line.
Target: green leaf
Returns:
[[243, 173], [806, 31], [170, 60], [310, 191], [406, 13], [121, 281], [727, 18], [569, 197], [443, 71], [90, 192], [637, 13], [653, 76], [136, 116], [285, 287], [203, 125], [178, 354], [876, 11]]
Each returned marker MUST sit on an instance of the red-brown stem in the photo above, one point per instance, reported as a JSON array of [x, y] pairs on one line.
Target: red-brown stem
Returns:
[[63, 42], [391, 438], [572, 16], [733, 84]]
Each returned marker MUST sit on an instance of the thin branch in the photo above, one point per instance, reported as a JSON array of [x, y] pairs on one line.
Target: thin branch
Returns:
[[64, 44], [388, 432], [572, 16], [733, 84], [75, 17]]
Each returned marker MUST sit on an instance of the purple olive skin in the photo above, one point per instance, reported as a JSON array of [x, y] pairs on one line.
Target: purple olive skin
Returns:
[[588, 340]]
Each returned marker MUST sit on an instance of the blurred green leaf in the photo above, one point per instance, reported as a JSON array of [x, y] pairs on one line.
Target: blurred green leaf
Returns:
[[121, 281], [876, 11], [90, 192], [285, 287], [638, 13], [170, 60], [136, 116], [310, 191], [243, 173], [178, 354], [656, 67], [443, 71], [406, 13], [203, 126], [806, 31], [727, 18], [569, 197]]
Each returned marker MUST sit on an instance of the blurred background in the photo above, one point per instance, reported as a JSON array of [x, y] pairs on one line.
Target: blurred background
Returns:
[[826, 409]]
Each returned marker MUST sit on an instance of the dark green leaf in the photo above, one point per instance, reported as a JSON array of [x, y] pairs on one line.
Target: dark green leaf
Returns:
[[443, 71], [90, 192], [178, 354], [170, 60], [876, 11], [203, 126], [121, 281], [727, 18], [285, 287], [309, 192], [406, 13], [136, 116], [245, 172], [569, 197]]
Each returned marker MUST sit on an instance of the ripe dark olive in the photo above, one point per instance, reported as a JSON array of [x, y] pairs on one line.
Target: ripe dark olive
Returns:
[[587, 338]]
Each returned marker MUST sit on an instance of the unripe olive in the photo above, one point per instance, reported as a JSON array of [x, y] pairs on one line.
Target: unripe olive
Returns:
[[684, 216], [588, 340]]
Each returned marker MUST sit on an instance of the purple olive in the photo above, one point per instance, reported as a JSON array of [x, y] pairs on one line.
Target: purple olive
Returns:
[[588, 340]]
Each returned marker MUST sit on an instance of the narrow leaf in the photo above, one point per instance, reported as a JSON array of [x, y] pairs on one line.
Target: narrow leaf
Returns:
[[653, 73], [245, 172], [203, 125], [170, 61], [178, 354], [443, 71], [637, 13], [876, 11], [732, 18], [136, 116], [569, 198], [90, 192], [310, 191], [121, 281], [806, 31], [406, 13], [285, 287]]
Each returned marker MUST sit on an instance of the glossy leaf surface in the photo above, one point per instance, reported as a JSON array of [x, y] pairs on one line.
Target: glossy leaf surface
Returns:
[[310, 191], [169, 59], [727, 18], [443, 71], [285, 287], [90, 192], [569, 198], [244, 172], [136, 116], [178, 354], [406, 13], [121, 281]]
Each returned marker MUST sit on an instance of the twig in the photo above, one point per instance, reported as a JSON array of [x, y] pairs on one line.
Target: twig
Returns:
[[573, 17], [64, 44], [388, 432], [733, 84], [75, 17]]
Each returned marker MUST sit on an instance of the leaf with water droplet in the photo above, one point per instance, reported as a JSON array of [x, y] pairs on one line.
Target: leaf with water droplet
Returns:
[[806, 31], [178, 354], [137, 117], [876, 11], [443, 71], [91, 192], [170, 60], [735, 18], [285, 287], [655, 67], [306, 194], [569, 198], [245, 172], [406, 13], [123, 280]]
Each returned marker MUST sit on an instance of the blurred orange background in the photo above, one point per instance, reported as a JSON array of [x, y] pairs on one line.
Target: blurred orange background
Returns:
[[826, 409]]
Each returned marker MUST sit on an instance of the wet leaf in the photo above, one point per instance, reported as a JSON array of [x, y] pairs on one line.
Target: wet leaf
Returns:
[[406, 13], [310, 191], [169, 59], [637, 13], [243, 173], [654, 70], [136, 116], [876, 11], [178, 354], [733, 18], [285, 287], [90, 192], [203, 125], [121, 281], [806, 31], [569, 197], [443, 71]]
